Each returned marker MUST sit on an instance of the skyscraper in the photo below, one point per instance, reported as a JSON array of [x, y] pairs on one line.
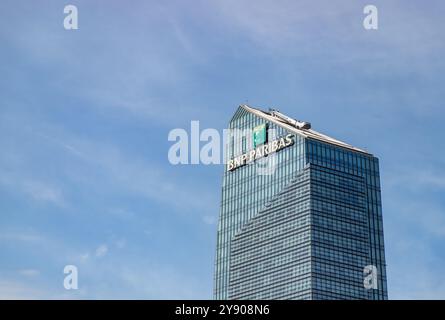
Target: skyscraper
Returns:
[[300, 216]]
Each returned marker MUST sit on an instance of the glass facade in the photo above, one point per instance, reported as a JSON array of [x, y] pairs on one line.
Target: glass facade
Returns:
[[304, 230]]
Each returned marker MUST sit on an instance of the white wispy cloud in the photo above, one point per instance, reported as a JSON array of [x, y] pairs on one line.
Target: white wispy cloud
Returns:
[[417, 178], [29, 272], [44, 192], [15, 290], [135, 174], [21, 236], [33, 188], [101, 250], [210, 220]]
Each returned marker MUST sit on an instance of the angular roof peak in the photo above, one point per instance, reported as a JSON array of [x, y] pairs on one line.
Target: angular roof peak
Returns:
[[296, 126]]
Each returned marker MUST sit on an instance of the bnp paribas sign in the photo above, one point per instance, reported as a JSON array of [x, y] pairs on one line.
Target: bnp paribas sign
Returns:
[[261, 147]]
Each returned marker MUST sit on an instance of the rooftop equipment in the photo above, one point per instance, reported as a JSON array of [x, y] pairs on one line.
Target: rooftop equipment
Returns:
[[295, 123]]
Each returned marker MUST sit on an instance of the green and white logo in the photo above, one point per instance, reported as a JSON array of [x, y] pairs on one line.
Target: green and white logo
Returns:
[[259, 135]]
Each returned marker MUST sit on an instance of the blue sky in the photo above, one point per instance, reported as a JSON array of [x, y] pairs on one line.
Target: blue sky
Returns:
[[85, 115]]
